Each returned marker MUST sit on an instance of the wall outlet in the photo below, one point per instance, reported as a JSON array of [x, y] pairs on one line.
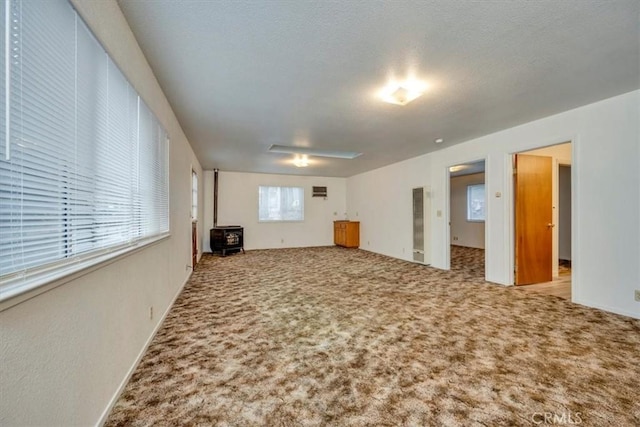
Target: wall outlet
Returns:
[[455, 237], [281, 240], [637, 292], [151, 313]]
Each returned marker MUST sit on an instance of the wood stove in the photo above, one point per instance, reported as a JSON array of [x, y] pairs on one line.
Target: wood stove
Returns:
[[224, 238], [227, 238]]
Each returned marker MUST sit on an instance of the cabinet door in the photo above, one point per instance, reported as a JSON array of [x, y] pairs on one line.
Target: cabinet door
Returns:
[[338, 233], [352, 235]]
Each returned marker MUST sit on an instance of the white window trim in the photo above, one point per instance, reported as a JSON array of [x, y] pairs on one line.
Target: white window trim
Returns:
[[485, 203], [22, 287], [24, 284], [194, 219], [280, 221]]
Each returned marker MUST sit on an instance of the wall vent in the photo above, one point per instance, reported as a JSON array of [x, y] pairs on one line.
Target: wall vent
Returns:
[[421, 225], [319, 192], [418, 225]]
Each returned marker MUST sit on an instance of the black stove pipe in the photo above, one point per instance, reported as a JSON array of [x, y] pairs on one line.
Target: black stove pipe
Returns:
[[215, 198]]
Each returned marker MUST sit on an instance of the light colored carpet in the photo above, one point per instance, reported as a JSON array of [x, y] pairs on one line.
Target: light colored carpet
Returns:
[[338, 337]]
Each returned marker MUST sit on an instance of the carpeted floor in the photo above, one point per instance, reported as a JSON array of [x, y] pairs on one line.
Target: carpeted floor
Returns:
[[337, 337]]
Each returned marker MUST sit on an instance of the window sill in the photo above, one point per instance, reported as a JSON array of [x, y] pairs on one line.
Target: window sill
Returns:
[[272, 221], [18, 290]]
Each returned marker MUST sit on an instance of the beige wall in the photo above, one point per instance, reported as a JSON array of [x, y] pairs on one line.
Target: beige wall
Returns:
[[238, 204], [65, 353], [605, 152], [382, 200]]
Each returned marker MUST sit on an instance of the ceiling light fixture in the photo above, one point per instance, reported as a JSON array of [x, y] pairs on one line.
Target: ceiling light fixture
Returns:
[[402, 93], [439, 141], [301, 161], [285, 149]]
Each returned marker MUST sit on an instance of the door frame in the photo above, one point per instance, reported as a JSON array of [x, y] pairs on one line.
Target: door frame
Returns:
[[561, 163], [194, 241], [447, 209], [574, 140], [534, 214]]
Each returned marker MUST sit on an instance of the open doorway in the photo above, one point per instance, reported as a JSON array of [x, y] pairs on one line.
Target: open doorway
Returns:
[[564, 220], [542, 220], [467, 210], [194, 219]]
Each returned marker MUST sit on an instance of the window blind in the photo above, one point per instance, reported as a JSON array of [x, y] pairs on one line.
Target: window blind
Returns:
[[194, 195], [280, 203], [83, 160]]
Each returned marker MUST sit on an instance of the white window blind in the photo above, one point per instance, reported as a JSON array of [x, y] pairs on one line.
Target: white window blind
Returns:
[[83, 161], [194, 196], [280, 203]]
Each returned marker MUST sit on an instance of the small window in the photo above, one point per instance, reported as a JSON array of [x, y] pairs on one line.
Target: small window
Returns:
[[194, 196], [280, 204], [475, 202]]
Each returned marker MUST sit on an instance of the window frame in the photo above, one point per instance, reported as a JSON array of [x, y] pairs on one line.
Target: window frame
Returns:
[[145, 225], [280, 188], [470, 189], [194, 196]]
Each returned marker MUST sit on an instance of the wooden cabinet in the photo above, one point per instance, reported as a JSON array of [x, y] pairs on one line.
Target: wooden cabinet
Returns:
[[346, 233]]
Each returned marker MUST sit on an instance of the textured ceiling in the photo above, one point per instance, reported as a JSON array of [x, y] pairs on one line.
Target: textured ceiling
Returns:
[[242, 75]]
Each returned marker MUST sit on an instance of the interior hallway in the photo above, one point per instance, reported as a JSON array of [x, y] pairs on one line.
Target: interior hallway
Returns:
[[471, 261]]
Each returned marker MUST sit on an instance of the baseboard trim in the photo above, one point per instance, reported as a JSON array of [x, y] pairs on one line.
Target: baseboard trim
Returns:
[[125, 381], [602, 307]]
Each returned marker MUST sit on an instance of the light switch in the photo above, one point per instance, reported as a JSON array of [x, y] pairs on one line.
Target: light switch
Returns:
[[439, 213], [498, 194]]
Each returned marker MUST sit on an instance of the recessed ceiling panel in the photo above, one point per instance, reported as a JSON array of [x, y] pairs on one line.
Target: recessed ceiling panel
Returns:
[[318, 152]]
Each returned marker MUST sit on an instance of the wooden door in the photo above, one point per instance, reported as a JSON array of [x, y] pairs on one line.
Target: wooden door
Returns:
[[533, 219]]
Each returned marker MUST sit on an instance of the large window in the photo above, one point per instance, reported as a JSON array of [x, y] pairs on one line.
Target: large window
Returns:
[[280, 203], [83, 160], [475, 202]]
